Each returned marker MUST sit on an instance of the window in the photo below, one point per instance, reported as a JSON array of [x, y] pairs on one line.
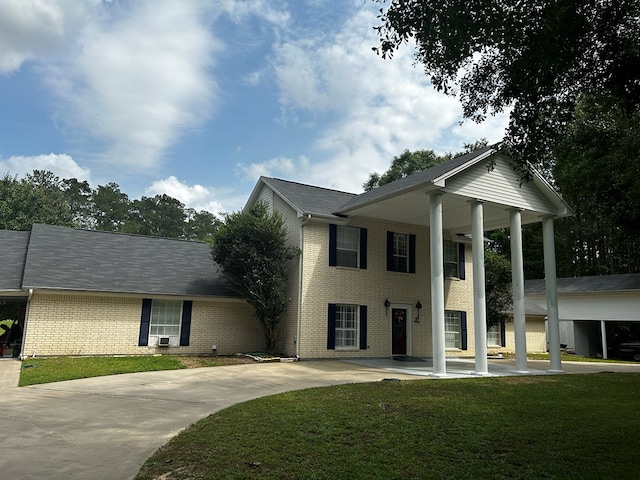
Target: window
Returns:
[[347, 246], [165, 318], [455, 329], [453, 260], [496, 335], [401, 252], [347, 328]]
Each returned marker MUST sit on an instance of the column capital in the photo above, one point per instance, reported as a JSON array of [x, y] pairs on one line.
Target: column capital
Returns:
[[474, 201]]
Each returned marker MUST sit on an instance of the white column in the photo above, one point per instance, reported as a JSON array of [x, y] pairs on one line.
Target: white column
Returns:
[[517, 285], [603, 330], [437, 284], [479, 297], [551, 290]]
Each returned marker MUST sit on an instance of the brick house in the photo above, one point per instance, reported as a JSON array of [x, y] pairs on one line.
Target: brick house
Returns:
[[398, 270]]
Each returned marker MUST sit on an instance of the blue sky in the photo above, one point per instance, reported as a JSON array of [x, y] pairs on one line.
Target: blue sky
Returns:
[[197, 99]]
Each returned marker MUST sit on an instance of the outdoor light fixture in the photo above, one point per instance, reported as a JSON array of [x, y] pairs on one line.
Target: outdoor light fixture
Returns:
[[387, 304], [418, 307]]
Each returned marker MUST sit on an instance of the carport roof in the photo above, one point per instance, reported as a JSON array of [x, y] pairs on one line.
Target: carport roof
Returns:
[[60, 258], [597, 283]]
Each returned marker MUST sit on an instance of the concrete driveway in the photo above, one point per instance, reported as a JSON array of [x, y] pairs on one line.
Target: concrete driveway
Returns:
[[106, 427]]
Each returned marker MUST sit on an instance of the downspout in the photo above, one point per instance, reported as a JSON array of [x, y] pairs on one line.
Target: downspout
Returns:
[[300, 270], [24, 327]]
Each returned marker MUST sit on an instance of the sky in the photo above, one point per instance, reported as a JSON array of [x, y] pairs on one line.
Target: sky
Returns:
[[197, 99]]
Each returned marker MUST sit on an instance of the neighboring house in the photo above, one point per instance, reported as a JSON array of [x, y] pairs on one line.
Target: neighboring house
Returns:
[[396, 271], [596, 313], [100, 293]]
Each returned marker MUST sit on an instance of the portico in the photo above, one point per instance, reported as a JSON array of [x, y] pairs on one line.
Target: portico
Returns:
[[463, 198]]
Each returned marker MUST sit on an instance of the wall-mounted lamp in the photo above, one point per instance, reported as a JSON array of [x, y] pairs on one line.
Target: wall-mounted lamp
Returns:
[[387, 304], [418, 307]]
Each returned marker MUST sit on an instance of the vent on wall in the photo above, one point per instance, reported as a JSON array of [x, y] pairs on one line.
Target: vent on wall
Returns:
[[163, 341]]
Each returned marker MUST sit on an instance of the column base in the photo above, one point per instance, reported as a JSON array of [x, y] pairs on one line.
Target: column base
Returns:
[[522, 372], [556, 371], [482, 374], [439, 375]]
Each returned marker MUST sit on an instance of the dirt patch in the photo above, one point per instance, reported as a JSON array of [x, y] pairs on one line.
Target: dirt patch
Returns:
[[211, 361]]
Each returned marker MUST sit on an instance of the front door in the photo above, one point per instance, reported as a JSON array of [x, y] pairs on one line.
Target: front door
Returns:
[[399, 331]]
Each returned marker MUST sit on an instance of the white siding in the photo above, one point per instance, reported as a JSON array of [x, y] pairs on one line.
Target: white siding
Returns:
[[266, 195], [596, 306], [498, 185]]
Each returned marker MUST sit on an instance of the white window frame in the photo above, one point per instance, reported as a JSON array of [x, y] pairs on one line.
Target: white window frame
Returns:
[[494, 336], [165, 321], [451, 259], [344, 246], [347, 327], [398, 255], [452, 333]]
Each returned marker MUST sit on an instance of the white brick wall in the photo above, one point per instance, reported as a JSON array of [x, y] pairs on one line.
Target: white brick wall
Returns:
[[323, 285], [74, 324]]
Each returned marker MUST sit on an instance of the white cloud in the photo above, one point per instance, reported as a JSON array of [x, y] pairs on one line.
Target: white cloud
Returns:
[[198, 197], [276, 166], [30, 29], [62, 165], [379, 107]]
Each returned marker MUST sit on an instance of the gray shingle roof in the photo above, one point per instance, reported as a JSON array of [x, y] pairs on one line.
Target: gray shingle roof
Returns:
[[83, 260], [13, 252], [308, 198], [600, 283]]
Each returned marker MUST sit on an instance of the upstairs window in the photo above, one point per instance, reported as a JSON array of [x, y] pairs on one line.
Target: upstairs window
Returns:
[[401, 252], [454, 260], [347, 246]]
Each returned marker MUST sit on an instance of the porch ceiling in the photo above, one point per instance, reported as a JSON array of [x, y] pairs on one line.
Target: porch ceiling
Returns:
[[413, 208]]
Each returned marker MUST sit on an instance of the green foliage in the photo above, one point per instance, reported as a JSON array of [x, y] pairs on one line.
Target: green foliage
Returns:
[[252, 251], [41, 197], [37, 198], [548, 427], [535, 57], [498, 287]]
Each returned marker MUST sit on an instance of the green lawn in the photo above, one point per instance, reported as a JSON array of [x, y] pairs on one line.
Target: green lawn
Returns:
[[56, 369], [542, 427]]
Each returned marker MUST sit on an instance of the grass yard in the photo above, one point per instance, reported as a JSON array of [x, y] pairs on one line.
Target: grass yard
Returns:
[[45, 370], [542, 427]]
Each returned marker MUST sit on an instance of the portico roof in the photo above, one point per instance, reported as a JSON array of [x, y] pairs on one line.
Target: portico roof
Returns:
[[484, 175]]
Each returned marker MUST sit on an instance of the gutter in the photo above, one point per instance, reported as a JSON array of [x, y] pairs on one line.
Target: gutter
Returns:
[[305, 220]]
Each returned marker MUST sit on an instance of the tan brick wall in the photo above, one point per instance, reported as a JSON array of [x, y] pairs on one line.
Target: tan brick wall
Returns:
[[536, 337], [323, 285], [73, 324]]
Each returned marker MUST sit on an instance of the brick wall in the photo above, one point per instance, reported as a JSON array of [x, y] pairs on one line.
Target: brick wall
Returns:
[[74, 324], [323, 285]]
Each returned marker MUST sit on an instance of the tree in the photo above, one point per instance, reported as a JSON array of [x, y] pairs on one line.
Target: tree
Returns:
[[37, 198], [251, 249], [201, 225], [537, 57], [110, 207], [159, 216], [498, 287]]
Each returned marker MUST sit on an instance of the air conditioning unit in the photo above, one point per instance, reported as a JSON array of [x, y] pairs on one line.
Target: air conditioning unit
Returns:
[[164, 341]]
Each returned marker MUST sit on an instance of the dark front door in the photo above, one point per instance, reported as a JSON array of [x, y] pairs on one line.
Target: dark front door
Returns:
[[398, 331]]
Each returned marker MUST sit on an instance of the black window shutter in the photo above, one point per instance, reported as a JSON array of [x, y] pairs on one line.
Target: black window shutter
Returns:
[[363, 327], [363, 248], [185, 324], [503, 334], [145, 319], [331, 327], [412, 254], [333, 245], [390, 251], [463, 330], [461, 261]]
